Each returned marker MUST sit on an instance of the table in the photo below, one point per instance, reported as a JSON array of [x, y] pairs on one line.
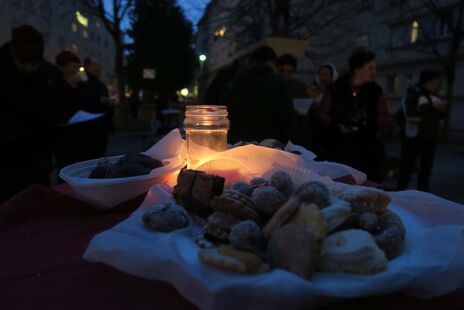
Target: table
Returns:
[[43, 234]]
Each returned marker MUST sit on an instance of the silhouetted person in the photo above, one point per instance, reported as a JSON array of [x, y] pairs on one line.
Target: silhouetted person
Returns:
[[31, 106], [355, 109], [259, 101], [96, 99], [71, 144], [217, 87], [424, 110], [286, 67]]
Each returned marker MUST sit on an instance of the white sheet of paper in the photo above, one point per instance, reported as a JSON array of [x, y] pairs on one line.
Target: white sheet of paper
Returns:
[[82, 116]]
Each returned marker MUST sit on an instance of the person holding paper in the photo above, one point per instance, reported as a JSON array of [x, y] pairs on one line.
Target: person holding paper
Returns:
[[424, 109]]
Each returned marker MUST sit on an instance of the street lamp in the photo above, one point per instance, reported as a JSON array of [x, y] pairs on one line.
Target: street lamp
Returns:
[[202, 58]]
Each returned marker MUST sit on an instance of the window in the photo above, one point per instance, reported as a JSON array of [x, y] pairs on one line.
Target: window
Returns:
[[414, 31], [393, 84], [73, 27], [220, 33]]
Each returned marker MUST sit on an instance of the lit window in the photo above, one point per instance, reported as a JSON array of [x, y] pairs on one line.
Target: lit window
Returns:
[[85, 33], [84, 21], [74, 27], [414, 31], [220, 32]]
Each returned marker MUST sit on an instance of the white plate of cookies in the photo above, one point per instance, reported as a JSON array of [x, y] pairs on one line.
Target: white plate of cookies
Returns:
[[272, 243]]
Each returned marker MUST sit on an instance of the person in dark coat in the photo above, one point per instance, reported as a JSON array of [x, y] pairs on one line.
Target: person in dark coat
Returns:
[[286, 67], [318, 131], [96, 99], [355, 109], [423, 110], [217, 87], [70, 146], [259, 101], [31, 107]]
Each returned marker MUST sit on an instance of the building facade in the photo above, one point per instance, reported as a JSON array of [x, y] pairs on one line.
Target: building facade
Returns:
[[401, 33], [65, 25]]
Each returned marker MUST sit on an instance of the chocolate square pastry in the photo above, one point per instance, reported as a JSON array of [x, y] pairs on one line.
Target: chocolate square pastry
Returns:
[[195, 190]]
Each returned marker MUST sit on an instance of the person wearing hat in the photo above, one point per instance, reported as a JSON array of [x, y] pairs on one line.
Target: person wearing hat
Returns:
[[423, 110], [354, 109], [30, 101]]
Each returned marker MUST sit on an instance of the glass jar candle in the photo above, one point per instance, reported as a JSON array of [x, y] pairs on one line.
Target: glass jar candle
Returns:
[[206, 127]]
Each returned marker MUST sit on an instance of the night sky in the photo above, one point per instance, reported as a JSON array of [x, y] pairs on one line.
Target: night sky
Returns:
[[193, 9]]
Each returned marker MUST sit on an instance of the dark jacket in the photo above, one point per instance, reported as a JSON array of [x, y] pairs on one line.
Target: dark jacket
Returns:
[[32, 104], [430, 118], [259, 105], [355, 108]]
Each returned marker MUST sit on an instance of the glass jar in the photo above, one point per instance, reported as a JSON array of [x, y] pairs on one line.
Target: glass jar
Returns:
[[206, 127]]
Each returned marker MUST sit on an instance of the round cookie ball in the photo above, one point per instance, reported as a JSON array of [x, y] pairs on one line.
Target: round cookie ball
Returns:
[[247, 236], [243, 188], [258, 182], [283, 182], [314, 192], [166, 217], [267, 199]]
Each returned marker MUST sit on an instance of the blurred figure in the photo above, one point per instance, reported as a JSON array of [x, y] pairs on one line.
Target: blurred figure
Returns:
[[355, 108], [317, 130], [259, 101], [70, 146], [96, 99], [326, 75], [218, 85], [286, 65], [423, 110], [31, 100], [320, 137]]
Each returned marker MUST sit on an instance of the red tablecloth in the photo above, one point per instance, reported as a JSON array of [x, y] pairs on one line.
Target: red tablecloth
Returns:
[[43, 234]]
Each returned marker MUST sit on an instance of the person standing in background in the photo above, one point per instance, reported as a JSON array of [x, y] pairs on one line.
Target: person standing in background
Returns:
[[70, 146], [354, 109], [424, 110], [31, 102], [286, 67], [258, 101], [96, 99], [326, 75]]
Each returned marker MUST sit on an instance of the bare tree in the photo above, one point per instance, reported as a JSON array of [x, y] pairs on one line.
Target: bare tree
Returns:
[[250, 21], [113, 20], [449, 16]]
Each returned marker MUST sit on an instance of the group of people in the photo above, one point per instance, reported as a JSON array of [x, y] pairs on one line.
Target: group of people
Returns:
[[341, 119], [38, 99]]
